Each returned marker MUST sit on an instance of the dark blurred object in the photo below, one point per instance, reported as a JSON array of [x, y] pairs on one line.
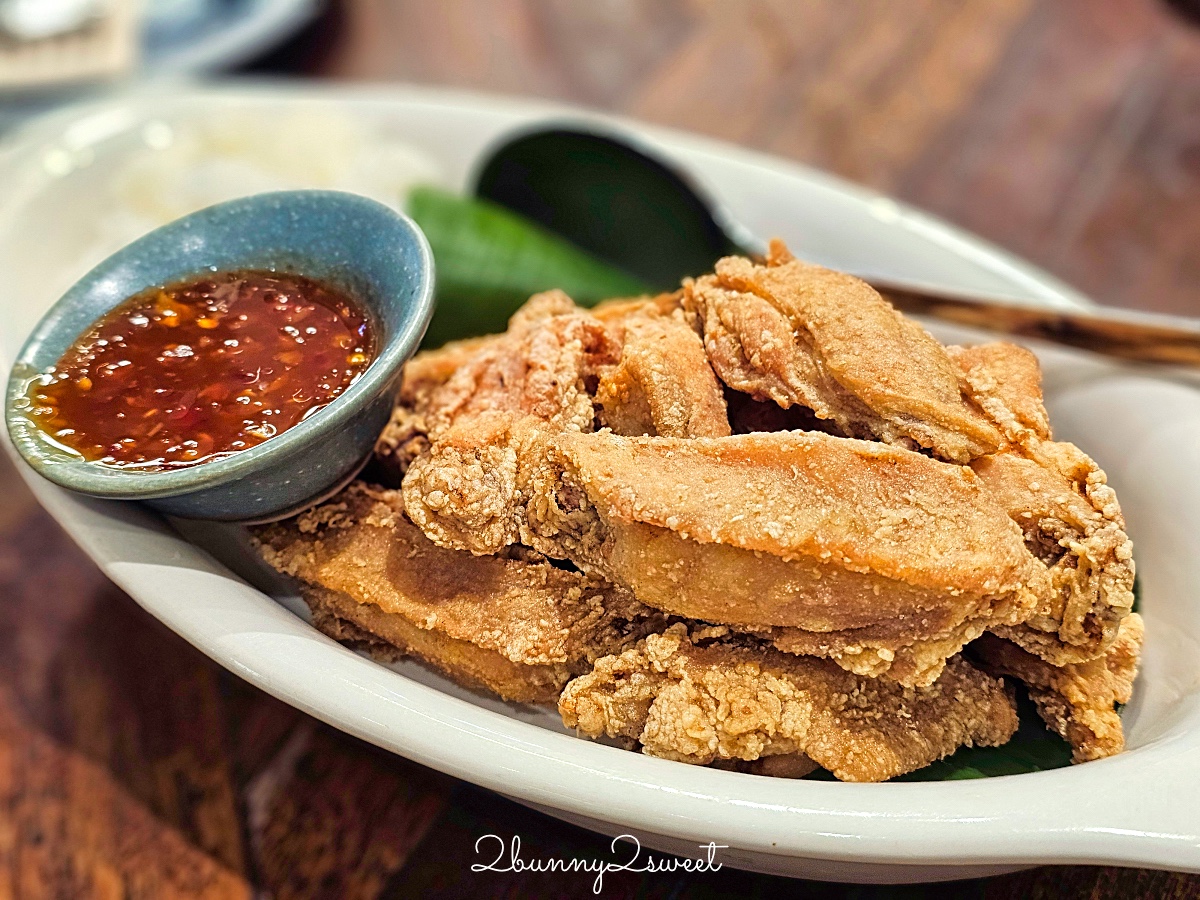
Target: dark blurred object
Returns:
[[309, 48], [602, 194], [189, 37], [1188, 9]]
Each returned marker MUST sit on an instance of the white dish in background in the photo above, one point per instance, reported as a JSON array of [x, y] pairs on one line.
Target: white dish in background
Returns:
[[178, 38], [1139, 808]]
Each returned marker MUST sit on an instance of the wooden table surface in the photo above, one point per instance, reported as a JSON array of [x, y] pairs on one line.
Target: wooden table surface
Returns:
[[1065, 130]]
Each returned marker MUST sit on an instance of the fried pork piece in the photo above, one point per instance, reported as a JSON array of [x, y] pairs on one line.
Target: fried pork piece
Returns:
[[489, 422], [389, 637], [620, 310], [798, 334], [519, 607], [430, 369], [700, 701], [912, 653], [867, 554], [1078, 701], [486, 423], [1061, 500], [536, 369], [1073, 524], [405, 437], [663, 384], [1005, 381]]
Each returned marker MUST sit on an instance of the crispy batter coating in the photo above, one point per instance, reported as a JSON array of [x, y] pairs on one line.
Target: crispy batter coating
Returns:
[[799, 334], [402, 440], [1079, 701], [430, 369], [867, 554], [912, 652], [663, 384], [702, 701], [1005, 381], [1073, 524], [389, 637], [520, 606], [617, 311], [487, 421], [866, 507], [1061, 500], [639, 368], [536, 369]]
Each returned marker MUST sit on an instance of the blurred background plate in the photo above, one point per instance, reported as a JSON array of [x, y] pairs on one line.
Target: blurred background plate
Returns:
[[178, 38]]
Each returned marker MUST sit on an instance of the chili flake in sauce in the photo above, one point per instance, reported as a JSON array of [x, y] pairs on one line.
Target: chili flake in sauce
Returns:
[[186, 373]]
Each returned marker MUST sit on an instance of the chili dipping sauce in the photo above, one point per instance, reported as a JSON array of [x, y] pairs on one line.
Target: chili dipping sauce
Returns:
[[195, 371]]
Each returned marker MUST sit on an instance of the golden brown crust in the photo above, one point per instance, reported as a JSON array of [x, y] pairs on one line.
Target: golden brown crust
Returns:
[[490, 476], [430, 369], [862, 506], [1073, 525], [1061, 500], [402, 440], [702, 702], [799, 334], [616, 311], [535, 370], [912, 653], [881, 559], [362, 545], [484, 422], [1079, 700], [389, 637], [1006, 382], [488, 421], [663, 384]]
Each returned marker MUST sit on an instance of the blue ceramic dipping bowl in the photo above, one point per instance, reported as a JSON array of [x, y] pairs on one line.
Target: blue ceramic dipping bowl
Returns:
[[373, 253]]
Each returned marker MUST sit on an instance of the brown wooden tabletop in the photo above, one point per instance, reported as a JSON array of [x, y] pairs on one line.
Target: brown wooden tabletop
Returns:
[[1065, 130]]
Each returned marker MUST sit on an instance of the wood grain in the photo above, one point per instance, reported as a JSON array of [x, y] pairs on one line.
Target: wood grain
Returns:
[[1065, 130]]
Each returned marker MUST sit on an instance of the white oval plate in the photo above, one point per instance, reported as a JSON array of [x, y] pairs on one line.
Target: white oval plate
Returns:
[[1139, 808]]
